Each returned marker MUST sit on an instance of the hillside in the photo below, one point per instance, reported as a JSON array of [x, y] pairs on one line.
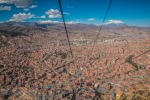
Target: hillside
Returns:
[[35, 62]]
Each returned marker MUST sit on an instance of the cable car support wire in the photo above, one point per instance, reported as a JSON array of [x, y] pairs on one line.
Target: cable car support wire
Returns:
[[102, 24], [61, 10]]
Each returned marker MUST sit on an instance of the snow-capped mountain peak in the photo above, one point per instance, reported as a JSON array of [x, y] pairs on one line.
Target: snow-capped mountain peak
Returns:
[[115, 24]]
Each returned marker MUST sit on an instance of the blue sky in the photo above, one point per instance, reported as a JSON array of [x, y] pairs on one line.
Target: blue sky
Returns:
[[131, 12]]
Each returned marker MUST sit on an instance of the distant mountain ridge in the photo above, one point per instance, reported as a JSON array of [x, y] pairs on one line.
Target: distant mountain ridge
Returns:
[[79, 26]]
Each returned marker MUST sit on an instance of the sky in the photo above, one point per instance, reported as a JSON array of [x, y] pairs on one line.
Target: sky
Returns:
[[130, 12]]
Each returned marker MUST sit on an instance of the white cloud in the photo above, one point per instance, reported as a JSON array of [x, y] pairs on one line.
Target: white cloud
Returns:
[[91, 19], [114, 22], [71, 22], [26, 9], [65, 13], [52, 13], [50, 21], [5, 1], [17, 3], [47, 22], [33, 6], [21, 17], [2, 8], [43, 16]]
